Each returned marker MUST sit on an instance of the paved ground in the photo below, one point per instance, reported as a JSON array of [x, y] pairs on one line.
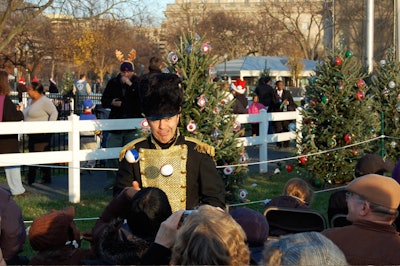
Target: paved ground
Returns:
[[97, 180]]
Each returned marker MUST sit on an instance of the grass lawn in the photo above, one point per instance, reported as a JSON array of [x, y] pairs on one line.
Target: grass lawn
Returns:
[[259, 187]]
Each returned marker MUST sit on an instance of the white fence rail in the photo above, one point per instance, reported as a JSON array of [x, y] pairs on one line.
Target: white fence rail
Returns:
[[74, 155]]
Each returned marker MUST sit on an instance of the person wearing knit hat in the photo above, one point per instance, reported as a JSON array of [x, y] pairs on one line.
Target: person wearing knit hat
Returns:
[[367, 164], [89, 140], [372, 201], [309, 248], [122, 97], [182, 167], [56, 238], [256, 227]]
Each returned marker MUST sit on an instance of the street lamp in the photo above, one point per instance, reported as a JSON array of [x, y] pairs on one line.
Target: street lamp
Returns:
[[26, 48], [225, 57], [15, 69]]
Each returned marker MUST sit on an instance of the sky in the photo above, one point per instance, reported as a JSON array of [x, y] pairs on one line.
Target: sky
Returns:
[[158, 7]]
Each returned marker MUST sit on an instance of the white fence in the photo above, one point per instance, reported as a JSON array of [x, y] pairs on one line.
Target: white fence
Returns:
[[74, 155]]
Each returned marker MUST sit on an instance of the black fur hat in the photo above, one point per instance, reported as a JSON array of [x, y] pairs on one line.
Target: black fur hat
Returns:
[[162, 96]]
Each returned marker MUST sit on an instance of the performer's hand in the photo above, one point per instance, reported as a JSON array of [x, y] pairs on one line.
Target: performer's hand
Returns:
[[131, 191], [167, 233]]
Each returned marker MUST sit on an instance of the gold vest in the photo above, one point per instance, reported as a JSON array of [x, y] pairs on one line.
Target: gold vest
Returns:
[[151, 162]]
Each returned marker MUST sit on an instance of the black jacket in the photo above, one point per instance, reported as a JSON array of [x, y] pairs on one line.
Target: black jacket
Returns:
[[203, 183], [129, 95]]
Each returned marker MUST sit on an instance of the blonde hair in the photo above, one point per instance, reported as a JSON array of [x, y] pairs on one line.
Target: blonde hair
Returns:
[[210, 237], [299, 188]]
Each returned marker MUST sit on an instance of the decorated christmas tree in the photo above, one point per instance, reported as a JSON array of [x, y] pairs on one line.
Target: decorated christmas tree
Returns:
[[341, 118], [386, 81], [207, 110]]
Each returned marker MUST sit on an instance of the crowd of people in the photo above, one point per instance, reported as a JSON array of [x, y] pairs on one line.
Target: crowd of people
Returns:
[[140, 226], [169, 201]]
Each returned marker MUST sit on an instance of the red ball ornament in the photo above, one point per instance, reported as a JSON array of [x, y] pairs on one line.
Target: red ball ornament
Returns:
[[338, 61], [347, 138], [355, 152], [289, 168], [360, 95], [303, 160], [360, 83]]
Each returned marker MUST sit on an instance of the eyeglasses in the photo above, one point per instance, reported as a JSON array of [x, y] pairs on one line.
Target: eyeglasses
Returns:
[[351, 194]]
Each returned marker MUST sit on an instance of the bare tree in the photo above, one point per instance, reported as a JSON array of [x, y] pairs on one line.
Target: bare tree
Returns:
[[304, 24]]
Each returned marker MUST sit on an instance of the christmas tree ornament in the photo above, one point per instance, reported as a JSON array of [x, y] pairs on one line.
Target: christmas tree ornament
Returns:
[[243, 194], [337, 61], [145, 124], [217, 109], [167, 170], [303, 160], [398, 108], [197, 37], [314, 101], [202, 101], [191, 127], [360, 95], [393, 144], [382, 63], [398, 96], [289, 168], [332, 142], [228, 170], [243, 157], [132, 156], [216, 134], [339, 85], [172, 58], [360, 84], [205, 47], [347, 138], [386, 92], [324, 99], [313, 79], [354, 151], [277, 171], [254, 185], [392, 84], [189, 49], [348, 54], [317, 183], [236, 126], [396, 118]]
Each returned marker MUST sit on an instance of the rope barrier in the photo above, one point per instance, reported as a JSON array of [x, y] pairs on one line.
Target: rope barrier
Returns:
[[253, 163]]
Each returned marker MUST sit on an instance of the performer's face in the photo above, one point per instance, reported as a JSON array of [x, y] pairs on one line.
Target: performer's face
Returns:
[[164, 129]]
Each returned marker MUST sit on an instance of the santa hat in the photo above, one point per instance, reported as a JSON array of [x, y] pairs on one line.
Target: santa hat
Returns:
[[52, 81], [239, 86], [22, 81], [35, 79]]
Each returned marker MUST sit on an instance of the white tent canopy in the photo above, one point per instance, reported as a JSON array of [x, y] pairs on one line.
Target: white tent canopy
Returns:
[[253, 66]]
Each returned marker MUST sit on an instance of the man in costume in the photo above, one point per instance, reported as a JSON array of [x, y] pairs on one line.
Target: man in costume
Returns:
[[182, 167]]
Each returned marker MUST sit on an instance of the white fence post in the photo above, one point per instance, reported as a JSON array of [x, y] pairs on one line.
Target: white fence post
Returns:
[[263, 132], [74, 182]]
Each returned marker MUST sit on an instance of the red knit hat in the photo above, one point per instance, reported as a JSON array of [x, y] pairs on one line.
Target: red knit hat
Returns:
[[22, 81], [52, 230]]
